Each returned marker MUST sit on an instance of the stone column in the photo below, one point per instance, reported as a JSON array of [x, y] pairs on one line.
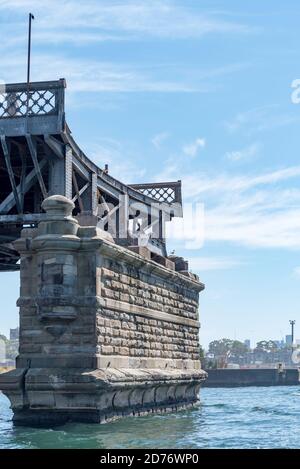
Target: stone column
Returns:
[[104, 332]]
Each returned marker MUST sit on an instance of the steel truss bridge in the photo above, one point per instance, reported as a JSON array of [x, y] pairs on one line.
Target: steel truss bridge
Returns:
[[39, 157]]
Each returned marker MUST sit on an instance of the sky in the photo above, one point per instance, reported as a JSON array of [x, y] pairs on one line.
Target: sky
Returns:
[[202, 91]]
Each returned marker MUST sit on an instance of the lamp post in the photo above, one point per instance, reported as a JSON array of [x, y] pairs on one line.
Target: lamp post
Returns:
[[292, 323]]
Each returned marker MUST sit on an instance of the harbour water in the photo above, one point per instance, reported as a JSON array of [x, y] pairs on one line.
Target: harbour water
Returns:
[[252, 417]]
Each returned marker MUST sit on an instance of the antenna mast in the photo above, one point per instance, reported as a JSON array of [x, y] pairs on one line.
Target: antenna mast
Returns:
[[31, 17]]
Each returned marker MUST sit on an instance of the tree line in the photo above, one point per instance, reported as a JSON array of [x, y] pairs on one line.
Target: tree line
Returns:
[[235, 347]]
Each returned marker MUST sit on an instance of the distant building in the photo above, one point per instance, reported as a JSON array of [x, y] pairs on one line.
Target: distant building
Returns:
[[2, 351], [14, 334], [247, 343], [279, 343], [288, 340]]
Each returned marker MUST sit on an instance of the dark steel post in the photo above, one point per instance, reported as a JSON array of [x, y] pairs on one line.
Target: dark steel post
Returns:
[[292, 323], [31, 17]]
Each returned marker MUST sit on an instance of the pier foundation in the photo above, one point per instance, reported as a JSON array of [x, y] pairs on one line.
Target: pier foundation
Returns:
[[105, 331]]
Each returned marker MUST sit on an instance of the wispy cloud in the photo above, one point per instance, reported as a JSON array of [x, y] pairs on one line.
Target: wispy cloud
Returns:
[[90, 75], [200, 264], [68, 21], [114, 20], [200, 183], [192, 149], [250, 210], [296, 272], [159, 138], [262, 227], [255, 212], [85, 75], [260, 119], [243, 154]]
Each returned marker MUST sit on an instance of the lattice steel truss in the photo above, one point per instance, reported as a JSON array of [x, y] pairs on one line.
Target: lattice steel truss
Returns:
[[39, 157]]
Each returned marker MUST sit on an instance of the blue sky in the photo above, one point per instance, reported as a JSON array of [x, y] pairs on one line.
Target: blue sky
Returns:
[[193, 90]]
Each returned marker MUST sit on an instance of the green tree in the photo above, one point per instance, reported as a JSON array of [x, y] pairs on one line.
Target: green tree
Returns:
[[12, 349], [266, 346], [238, 348], [224, 346], [2, 337], [220, 347]]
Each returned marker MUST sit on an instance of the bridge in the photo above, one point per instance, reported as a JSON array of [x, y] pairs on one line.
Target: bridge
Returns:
[[108, 321], [39, 157]]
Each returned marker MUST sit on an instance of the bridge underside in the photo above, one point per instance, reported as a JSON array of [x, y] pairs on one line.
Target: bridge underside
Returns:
[[8, 258]]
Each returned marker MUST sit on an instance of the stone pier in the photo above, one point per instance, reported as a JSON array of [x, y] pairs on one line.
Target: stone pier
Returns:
[[105, 331]]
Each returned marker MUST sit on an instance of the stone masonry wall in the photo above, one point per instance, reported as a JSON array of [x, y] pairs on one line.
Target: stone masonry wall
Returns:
[[149, 335], [150, 291], [114, 304], [136, 336]]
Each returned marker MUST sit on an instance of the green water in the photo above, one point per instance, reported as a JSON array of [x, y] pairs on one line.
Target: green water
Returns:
[[227, 418]]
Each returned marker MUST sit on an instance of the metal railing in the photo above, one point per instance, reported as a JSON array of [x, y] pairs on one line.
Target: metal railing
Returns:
[[168, 192], [44, 98]]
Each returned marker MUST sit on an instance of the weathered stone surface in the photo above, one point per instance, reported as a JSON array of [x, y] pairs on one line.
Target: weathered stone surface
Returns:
[[104, 331], [141, 250]]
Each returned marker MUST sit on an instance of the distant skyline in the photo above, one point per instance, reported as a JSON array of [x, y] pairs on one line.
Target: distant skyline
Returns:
[[198, 91]]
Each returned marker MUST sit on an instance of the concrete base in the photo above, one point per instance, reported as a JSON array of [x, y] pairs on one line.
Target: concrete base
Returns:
[[42, 418], [42, 396]]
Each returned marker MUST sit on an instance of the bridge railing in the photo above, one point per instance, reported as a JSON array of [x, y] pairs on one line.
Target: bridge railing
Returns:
[[41, 100], [167, 192]]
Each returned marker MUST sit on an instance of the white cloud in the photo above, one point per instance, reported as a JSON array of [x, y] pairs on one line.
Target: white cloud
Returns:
[[110, 20], [201, 183], [212, 263], [159, 138], [296, 272], [260, 119], [257, 227], [92, 76], [60, 21], [250, 210], [243, 154], [254, 211], [193, 148], [89, 75]]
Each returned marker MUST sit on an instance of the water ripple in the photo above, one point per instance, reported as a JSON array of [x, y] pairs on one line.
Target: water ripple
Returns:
[[253, 417]]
